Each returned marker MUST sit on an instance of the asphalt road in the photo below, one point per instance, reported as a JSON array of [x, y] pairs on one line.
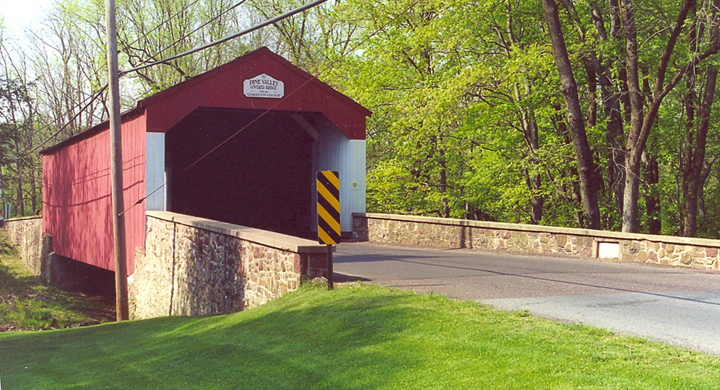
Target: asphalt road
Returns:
[[674, 306]]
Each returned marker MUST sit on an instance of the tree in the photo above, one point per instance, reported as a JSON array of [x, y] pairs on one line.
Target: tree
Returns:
[[68, 61], [630, 97], [586, 167], [694, 167], [17, 133], [152, 30], [460, 121], [642, 121]]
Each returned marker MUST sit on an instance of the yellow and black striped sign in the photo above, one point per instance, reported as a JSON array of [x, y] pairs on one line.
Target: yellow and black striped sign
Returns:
[[328, 207]]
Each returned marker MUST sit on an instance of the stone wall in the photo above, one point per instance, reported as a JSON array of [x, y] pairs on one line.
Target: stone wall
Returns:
[[517, 238], [195, 266], [33, 246]]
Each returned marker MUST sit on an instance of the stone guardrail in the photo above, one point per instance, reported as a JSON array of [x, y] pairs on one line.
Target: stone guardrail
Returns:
[[33, 246], [197, 266], [517, 238]]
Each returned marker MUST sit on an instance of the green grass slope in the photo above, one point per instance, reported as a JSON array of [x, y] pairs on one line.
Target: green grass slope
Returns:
[[357, 337]]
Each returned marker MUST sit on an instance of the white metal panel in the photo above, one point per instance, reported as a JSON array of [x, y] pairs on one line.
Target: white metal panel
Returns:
[[155, 172], [335, 152], [356, 183], [608, 250]]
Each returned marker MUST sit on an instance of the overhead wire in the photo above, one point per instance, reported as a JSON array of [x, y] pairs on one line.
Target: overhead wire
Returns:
[[47, 125], [161, 24], [70, 121], [95, 95], [217, 42], [214, 43], [239, 3], [314, 77], [227, 38], [265, 112]]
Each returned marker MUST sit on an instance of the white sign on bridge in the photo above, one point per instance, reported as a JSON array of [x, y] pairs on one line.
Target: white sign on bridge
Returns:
[[264, 86]]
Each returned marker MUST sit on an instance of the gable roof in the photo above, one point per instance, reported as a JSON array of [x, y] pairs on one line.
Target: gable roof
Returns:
[[248, 58], [221, 87]]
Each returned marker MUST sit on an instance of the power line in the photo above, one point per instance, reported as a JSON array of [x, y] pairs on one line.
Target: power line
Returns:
[[265, 112], [327, 68], [161, 24], [198, 28], [225, 39], [47, 125], [229, 37], [97, 94], [44, 126]]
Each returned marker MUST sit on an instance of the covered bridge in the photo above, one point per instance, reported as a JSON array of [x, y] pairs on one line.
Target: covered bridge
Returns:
[[239, 144]]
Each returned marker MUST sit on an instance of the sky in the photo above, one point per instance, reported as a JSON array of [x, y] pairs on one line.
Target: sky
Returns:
[[19, 15]]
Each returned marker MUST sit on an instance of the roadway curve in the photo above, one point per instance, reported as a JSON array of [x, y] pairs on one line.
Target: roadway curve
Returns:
[[675, 306]]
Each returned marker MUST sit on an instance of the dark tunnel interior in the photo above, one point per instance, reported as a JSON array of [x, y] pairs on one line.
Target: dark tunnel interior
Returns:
[[259, 178]]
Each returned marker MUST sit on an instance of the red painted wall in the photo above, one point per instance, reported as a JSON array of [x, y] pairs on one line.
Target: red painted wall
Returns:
[[76, 201]]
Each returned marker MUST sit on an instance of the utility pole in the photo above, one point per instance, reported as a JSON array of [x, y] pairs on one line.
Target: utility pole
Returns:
[[121, 291]]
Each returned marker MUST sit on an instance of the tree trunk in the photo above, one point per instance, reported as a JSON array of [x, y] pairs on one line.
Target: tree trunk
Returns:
[[615, 19], [586, 167], [3, 186], [17, 140], [687, 155], [537, 201], [445, 206], [532, 139], [599, 73], [692, 180], [19, 204], [632, 167], [707, 166], [614, 135], [641, 125], [33, 187], [591, 99], [29, 126], [3, 194], [651, 175], [694, 159], [531, 134], [534, 183]]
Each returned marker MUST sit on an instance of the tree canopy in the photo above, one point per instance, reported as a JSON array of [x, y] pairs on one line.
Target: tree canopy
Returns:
[[595, 113]]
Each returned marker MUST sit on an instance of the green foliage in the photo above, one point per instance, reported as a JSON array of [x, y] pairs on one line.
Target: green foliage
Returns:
[[453, 103], [459, 90]]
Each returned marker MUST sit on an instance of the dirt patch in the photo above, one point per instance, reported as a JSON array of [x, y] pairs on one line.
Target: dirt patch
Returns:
[[99, 308]]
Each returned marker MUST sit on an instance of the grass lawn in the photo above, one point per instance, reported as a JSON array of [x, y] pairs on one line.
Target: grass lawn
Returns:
[[357, 337], [26, 304]]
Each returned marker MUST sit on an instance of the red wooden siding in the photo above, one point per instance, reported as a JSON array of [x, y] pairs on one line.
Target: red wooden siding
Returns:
[[76, 201]]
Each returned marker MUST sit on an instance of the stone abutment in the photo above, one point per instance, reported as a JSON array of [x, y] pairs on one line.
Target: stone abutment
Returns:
[[195, 266], [33, 246]]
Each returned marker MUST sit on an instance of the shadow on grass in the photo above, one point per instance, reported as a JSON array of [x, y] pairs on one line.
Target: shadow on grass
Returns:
[[324, 345], [342, 278], [10, 279]]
